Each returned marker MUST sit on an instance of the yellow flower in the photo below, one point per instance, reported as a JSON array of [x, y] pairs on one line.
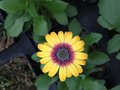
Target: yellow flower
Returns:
[[63, 53]]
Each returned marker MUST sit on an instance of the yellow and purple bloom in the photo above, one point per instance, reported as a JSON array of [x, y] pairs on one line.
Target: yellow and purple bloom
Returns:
[[64, 53]]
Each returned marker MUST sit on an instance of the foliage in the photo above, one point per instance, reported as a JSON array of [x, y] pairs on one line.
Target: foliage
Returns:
[[46, 82], [35, 58], [110, 18], [114, 44], [118, 56], [116, 88], [83, 84], [74, 26], [92, 38], [97, 58], [37, 13], [110, 14]]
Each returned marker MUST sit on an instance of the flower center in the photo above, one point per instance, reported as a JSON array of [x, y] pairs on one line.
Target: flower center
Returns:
[[62, 54]]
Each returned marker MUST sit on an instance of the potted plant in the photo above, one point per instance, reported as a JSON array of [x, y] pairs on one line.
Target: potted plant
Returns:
[[57, 17]]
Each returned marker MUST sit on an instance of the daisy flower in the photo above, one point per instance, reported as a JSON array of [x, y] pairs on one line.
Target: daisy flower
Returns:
[[62, 53]]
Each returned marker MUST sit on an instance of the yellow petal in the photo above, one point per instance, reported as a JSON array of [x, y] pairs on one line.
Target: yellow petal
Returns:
[[53, 70], [49, 40], [43, 54], [47, 67], [69, 74], [61, 36], [68, 37], [45, 60], [78, 45], [81, 55], [47, 44], [80, 50], [62, 73], [55, 37], [65, 33], [73, 70], [79, 68], [74, 40], [44, 47], [81, 62]]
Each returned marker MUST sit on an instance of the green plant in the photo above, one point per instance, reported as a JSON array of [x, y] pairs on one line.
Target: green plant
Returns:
[[22, 14], [110, 19], [39, 15]]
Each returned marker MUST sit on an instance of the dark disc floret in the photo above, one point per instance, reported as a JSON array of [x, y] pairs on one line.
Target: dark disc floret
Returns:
[[62, 54]]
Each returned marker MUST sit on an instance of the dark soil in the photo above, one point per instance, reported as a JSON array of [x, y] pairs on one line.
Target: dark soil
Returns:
[[17, 74]]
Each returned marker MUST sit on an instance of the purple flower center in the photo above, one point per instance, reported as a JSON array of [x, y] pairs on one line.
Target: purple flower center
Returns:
[[62, 54]]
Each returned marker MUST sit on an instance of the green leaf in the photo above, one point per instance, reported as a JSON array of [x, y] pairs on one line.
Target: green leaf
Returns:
[[41, 66], [35, 58], [78, 87], [32, 9], [14, 26], [86, 48], [71, 11], [92, 69], [92, 38], [118, 30], [104, 23], [71, 83], [56, 6], [62, 86], [110, 13], [98, 58], [39, 39], [118, 56], [49, 23], [44, 81], [13, 6], [75, 26], [114, 44], [88, 84], [9, 21], [40, 25], [61, 18], [82, 76], [101, 82], [116, 88]]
